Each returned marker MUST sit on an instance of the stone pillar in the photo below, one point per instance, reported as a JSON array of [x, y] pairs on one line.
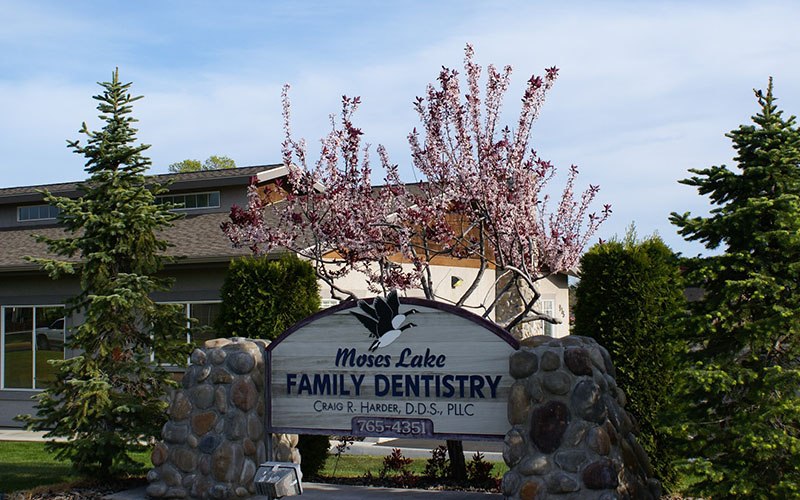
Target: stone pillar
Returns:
[[214, 439], [571, 436]]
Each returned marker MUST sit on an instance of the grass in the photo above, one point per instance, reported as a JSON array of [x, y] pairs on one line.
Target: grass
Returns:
[[26, 465], [358, 465]]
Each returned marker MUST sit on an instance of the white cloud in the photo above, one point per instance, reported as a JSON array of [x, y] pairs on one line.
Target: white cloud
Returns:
[[646, 90]]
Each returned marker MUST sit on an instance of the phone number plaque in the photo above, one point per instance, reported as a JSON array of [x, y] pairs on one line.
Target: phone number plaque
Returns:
[[392, 427]]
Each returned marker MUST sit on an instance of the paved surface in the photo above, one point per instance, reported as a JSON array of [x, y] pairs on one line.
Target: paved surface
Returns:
[[20, 435], [421, 448], [319, 491]]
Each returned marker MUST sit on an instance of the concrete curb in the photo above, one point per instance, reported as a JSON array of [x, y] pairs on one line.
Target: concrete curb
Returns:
[[323, 491]]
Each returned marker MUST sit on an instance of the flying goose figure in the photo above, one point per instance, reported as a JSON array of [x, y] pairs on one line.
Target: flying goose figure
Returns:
[[383, 319], [394, 304]]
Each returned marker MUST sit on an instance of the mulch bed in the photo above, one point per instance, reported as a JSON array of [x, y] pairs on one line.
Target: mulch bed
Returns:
[[85, 490], [418, 482], [97, 490]]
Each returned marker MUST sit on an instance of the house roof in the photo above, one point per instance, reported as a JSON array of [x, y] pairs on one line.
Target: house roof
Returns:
[[195, 238], [19, 243], [180, 181], [199, 238]]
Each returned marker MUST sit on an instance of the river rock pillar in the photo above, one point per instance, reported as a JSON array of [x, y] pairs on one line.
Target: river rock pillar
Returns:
[[571, 436], [214, 439]]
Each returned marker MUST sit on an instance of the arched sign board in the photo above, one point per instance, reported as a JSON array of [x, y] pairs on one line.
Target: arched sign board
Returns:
[[391, 368]]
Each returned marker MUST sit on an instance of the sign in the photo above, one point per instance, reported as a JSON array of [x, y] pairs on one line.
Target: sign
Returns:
[[391, 367]]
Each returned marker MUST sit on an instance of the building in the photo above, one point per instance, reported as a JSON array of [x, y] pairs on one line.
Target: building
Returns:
[[32, 321]]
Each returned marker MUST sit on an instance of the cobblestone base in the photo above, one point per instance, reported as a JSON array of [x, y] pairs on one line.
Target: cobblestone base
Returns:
[[214, 439], [571, 437]]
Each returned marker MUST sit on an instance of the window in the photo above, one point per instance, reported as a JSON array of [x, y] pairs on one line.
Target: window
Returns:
[[31, 336], [191, 201], [37, 212], [204, 316], [326, 303], [548, 308], [200, 323]]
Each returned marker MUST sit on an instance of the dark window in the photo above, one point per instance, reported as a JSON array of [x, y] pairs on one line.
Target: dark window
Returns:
[[37, 212], [190, 201]]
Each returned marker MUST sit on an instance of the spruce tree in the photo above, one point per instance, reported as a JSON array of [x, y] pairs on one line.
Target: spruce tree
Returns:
[[109, 401], [630, 299], [741, 420]]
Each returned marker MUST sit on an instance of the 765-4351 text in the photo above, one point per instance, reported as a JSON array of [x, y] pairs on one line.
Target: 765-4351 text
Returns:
[[392, 427]]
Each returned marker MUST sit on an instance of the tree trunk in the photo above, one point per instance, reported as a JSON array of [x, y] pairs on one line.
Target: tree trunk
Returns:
[[458, 467]]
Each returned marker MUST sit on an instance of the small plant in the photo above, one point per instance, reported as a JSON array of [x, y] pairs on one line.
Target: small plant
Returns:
[[406, 479], [438, 466], [395, 462], [344, 444], [479, 471]]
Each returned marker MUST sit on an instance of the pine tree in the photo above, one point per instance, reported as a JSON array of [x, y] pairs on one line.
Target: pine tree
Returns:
[[740, 425], [110, 399], [629, 299]]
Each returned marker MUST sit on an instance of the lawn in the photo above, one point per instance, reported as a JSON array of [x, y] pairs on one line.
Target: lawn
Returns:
[[26, 465]]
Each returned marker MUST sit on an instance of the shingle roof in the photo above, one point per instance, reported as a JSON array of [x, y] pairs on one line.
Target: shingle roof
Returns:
[[230, 176], [196, 238], [200, 238], [16, 244]]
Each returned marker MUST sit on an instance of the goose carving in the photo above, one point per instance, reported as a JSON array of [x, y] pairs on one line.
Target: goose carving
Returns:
[[383, 319]]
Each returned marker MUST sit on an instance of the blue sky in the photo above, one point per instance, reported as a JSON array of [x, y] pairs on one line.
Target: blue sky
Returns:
[[646, 91]]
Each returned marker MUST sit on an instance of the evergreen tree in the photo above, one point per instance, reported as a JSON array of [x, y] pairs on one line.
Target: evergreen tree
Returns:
[[629, 299], [740, 423], [110, 399]]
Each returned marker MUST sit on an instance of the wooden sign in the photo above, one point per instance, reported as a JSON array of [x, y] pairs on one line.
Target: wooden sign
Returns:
[[391, 367]]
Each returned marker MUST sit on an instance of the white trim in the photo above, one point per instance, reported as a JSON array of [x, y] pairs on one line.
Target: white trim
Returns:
[[272, 174], [282, 171]]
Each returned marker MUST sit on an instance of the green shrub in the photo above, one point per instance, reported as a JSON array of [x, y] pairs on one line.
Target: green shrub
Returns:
[[629, 299], [395, 463], [262, 297], [314, 453], [438, 466], [479, 472]]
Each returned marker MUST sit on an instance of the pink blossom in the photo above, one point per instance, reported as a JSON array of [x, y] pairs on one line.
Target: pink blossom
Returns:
[[482, 196]]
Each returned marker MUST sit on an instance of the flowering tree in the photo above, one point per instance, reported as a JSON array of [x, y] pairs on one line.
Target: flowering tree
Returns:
[[482, 199]]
